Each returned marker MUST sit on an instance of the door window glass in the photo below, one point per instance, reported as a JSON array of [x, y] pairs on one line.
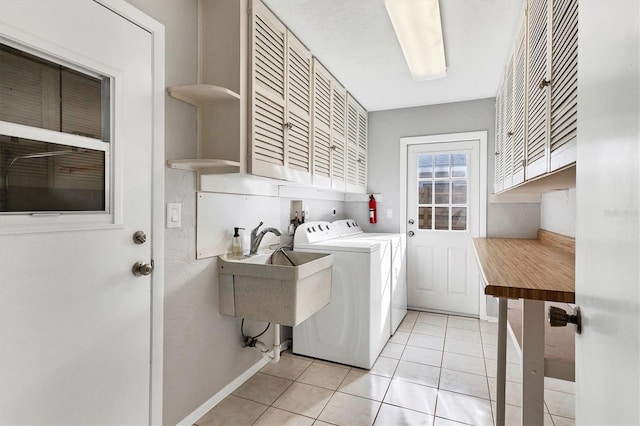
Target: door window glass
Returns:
[[63, 166], [443, 191]]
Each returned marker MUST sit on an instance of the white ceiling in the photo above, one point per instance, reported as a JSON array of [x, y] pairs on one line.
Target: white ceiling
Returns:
[[354, 40]]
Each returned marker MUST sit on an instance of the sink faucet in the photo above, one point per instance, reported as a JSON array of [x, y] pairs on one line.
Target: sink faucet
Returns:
[[256, 237]]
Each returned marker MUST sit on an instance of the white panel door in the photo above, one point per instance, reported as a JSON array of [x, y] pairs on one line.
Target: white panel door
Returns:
[[608, 214], [74, 320], [443, 214]]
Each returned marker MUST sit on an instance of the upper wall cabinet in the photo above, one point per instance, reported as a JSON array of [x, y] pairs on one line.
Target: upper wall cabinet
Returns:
[[321, 120], [280, 100], [519, 108], [564, 83], [537, 92], [264, 107], [338, 136], [329, 129], [356, 166], [504, 134], [536, 108]]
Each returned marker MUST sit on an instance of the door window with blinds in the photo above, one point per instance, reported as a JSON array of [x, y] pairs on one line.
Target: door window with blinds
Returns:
[[443, 195], [54, 136]]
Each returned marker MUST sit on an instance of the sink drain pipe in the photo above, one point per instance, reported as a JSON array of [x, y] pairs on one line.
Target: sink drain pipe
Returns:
[[276, 344], [252, 342]]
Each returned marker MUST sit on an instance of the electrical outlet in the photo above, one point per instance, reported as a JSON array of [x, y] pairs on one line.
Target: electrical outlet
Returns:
[[389, 213]]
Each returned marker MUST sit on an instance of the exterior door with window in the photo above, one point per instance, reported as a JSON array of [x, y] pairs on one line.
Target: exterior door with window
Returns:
[[443, 214], [76, 114]]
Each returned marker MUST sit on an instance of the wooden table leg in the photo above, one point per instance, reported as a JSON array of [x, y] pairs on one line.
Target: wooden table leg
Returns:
[[502, 361], [532, 362]]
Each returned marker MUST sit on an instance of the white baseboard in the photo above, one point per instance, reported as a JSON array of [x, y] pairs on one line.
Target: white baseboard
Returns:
[[229, 388], [192, 418]]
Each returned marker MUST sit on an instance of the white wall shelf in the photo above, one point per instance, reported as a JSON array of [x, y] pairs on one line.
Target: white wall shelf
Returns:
[[199, 94], [200, 165], [205, 96]]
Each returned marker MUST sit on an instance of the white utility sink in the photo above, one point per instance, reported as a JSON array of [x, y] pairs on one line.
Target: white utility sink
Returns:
[[266, 287]]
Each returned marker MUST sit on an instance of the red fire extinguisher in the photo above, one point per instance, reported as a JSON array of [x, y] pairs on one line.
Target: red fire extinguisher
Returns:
[[373, 215]]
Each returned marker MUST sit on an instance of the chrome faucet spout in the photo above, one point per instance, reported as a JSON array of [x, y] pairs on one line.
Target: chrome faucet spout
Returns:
[[256, 237]]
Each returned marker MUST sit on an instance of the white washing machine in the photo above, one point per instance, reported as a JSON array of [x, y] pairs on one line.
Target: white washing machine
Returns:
[[354, 327], [397, 270]]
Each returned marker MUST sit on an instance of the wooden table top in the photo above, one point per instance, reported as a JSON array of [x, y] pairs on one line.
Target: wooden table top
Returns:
[[538, 269]]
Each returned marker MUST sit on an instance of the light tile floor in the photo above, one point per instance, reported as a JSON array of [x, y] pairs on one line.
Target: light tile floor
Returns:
[[435, 370]]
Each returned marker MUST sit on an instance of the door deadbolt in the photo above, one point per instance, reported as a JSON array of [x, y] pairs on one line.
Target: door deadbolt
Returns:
[[411, 222], [141, 268], [411, 233], [139, 237]]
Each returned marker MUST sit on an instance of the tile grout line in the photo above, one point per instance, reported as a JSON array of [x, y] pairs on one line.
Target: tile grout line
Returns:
[[484, 339]]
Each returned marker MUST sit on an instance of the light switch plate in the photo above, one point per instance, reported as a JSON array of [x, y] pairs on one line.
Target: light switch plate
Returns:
[[174, 215]]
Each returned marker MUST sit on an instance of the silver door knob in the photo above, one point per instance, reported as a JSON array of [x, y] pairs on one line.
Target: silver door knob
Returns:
[[411, 222], [411, 233], [141, 268]]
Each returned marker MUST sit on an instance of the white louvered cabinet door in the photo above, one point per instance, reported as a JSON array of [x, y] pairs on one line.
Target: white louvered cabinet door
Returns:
[[498, 157], [362, 149], [519, 106], [564, 83], [338, 136], [352, 145], [268, 121], [538, 92], [281, 101], [298, 107], [356, 146], [507, 129], [321, 125]]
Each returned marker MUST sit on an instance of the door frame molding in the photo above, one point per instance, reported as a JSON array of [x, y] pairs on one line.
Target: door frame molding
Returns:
[[157, 31], [480, 136]]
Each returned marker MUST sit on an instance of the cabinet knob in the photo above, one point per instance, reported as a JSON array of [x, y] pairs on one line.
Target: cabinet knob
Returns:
[[544, 83], [332, 147], [287, 125], [509, 134]]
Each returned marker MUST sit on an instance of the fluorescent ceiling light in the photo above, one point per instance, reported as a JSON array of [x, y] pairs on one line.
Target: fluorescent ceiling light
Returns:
[[419, 31]]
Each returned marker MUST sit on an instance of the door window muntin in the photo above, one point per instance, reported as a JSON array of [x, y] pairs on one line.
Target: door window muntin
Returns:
[[443, 191]]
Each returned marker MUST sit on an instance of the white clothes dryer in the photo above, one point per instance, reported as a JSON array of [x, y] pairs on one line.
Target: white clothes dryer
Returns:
[[354, 327], [397, 270]]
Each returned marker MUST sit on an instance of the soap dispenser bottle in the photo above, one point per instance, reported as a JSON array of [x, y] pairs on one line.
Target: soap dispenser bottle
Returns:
[[237, 251]]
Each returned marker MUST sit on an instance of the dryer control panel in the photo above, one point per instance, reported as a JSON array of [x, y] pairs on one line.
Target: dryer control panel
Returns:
[[347, 227], [314, 232]]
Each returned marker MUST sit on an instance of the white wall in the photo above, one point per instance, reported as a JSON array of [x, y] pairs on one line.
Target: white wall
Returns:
[[385, 130], [558, 212], [202, 351], [512, 220]]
